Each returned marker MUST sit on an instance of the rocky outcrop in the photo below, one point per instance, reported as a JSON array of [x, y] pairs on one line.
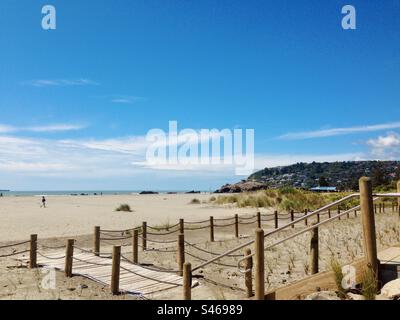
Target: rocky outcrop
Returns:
[[148, 192], [243, 186]]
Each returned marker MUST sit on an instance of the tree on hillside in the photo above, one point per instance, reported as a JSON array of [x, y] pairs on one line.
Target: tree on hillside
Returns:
[[397, 173], [378, 177], [322, 182]]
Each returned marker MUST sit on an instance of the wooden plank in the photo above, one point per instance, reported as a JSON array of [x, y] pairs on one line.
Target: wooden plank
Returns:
[[323, 280]]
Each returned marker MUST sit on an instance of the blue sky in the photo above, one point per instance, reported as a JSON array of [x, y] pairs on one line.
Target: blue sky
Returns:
[[77, 102]]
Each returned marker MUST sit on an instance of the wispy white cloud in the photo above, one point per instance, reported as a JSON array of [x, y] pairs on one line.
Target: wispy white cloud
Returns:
[[338, 131], [387, 146], [44, 128], [126, 99], [59, 82]]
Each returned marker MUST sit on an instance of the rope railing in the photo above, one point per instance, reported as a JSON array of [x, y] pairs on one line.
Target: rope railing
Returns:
[[14, 254], [247, 218], [158, 241], [50, 258], [197, 228], [224, 225], [162, 234], [196, 222], [119, 231], [14, 244], [116, 239], [163, 228], [247, 223], [210, 252], [214, 262]]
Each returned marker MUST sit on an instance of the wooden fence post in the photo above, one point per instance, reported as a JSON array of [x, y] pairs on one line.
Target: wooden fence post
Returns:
[[33, 252], [181, 253], [135, 246], [144, 235], [187, 281], [380, 207], [259, 265], [276, 219], [329, 213], [96, 242], [318, 218], [306, 220], [69, 257], [212, 229], [248, 278], [368, 222], [383, 207], [398, 199], [292, 217], [314, 251], [115, 272], [338, 212], [355, 213], [181, 226], [236, 225], [259, 219]]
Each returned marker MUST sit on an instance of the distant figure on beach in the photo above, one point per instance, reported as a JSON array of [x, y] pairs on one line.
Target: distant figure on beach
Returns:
[[43, 202]]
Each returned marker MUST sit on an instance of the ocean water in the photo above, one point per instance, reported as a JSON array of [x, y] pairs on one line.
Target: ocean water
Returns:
[[76, 192]]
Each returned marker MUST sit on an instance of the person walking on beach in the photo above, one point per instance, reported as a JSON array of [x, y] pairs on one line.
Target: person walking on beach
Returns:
[[43, 202]]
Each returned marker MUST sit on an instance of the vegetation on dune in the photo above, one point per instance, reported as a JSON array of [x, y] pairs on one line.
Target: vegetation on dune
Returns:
[[285, 199], [124, 207], [338, 274], [195, 201], [369, 287]]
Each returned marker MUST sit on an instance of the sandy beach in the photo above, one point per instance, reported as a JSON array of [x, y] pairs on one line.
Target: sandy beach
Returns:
[[77, 215]]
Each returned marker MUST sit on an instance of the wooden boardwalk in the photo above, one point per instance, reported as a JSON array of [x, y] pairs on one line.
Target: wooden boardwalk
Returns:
[[134, 279]]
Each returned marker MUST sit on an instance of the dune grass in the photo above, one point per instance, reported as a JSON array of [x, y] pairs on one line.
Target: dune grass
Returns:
[[338, 274], [195, 201], [124, 207], [283, 199], [369, 285]]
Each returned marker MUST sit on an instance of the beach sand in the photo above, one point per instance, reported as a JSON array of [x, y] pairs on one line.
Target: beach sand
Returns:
[[76, 216]]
